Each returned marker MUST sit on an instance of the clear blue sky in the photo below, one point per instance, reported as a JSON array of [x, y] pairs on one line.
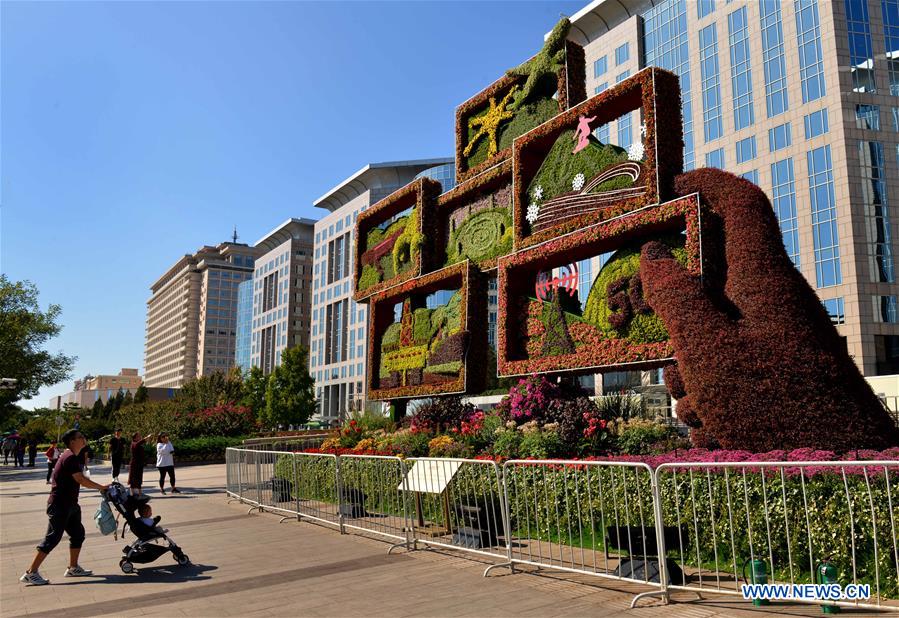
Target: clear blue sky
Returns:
[[133, 133]]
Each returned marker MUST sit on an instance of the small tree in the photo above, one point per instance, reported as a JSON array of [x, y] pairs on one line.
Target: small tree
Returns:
[[141, 395], [98, 410], [119, 398], [110, 407], [254, 388], [210, 390], [290, 392], [127, 400]]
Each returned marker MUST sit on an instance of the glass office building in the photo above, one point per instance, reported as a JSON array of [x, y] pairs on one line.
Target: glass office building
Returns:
[[823, 143]]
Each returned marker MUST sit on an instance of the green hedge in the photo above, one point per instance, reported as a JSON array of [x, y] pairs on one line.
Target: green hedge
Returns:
[[187, 449]]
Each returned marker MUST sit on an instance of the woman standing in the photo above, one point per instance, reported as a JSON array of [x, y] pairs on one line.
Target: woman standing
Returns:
[[165, 462], [53, 454], [138, 460]]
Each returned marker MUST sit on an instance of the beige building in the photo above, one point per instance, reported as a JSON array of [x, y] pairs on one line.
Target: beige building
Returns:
[[192, 314], [339, 325], [282, 292], [89, 389], [801, 97]]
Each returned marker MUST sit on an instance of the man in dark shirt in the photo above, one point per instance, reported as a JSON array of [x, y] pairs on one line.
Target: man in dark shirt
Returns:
[[63, 510], [116, 451]]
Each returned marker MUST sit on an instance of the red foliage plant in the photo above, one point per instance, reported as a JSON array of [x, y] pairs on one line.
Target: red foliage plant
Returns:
[[760, 365]]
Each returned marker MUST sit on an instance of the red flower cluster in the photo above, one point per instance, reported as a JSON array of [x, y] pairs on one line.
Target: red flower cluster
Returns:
[[594, 425]]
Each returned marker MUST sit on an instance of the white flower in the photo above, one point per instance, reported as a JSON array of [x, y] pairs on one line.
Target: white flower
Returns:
[[538, 193], [578, 183], [533, 213], [635, 151]]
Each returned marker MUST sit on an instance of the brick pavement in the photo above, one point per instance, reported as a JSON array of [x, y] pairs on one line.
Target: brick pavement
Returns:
[[247, 565]]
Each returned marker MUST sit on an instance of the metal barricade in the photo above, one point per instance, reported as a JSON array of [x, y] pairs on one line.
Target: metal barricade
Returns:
[[246, 476], [274, 485], [316, 487], [371, 496], [587, 517], [783, 523], [458, 504]]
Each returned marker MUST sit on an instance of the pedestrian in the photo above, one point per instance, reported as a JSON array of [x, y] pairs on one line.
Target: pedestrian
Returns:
[[10, 444], [63, 511], [116, 452], [87, 453], [53, 455], [32, 451], [20, 453], [165, 462], [138, 460]]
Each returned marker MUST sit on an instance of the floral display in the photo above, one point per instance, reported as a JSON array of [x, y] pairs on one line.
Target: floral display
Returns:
[[427, 351], [487, 124], [656, 94], [390, 235], [614, 324]]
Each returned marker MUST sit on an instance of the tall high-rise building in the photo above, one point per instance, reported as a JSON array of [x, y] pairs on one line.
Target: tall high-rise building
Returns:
[[192, 315], [282, 292], [337, 358], [242, 356], [823, 144]]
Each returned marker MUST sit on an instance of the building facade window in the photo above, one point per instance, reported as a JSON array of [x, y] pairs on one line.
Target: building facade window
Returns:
[[746, 150], [776, 100], [622, 54], [824, 225], [835, 310], [711, 86], [816, 124], [715, 158], [861, 52], [752, 176], [885, 309], [783, 199], [740, 69], [811, 59], [877, 212], [890, 12], [779, 137], [666, 45], [867, 117], [624, 123], [600, 66], [704, 7]]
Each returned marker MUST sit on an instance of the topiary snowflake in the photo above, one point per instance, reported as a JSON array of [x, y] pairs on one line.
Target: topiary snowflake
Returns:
[[635, 151], [533, 213], [538, 193], [578, 183]]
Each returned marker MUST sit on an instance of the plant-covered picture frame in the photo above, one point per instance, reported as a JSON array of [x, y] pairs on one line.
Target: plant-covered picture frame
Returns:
[[543, 326], [430, 348], [391, 236], [475, 219], [527, 96], [565, 178]]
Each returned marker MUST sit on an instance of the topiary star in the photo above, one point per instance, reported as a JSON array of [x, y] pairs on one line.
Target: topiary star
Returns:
[[489, 123], [546, 63]]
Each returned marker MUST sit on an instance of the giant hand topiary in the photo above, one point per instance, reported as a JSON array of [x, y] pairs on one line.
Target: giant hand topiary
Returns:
[[761, 366]]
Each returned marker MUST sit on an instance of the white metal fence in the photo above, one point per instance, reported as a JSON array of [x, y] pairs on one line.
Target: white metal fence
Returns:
[[699, 527]]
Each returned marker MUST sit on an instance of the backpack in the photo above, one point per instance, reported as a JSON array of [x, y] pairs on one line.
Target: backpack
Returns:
[[104, 518]]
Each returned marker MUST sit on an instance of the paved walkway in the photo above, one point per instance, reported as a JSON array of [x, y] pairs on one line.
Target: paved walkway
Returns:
[[251, 565]]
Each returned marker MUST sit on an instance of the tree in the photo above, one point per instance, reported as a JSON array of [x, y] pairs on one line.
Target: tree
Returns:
[[290, 393], [127, 400], [97, 411], [110, 407], [119, 398], [254, 387], [141, 396], [24, 329], [210, 390]]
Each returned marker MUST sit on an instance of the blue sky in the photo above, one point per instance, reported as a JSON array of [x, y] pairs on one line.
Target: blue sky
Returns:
[[133, 133]]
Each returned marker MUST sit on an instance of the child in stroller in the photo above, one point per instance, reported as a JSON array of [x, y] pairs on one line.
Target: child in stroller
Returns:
[[147, 547]]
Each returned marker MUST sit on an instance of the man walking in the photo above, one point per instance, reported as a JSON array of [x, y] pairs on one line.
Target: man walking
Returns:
[[63, 510], [116, 451]]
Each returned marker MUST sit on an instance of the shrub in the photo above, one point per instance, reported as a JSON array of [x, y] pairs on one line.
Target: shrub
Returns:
[[445, 446], [528, 400], [637, 436], [443, 414], [408, 443], [541, 444], [507, 443]]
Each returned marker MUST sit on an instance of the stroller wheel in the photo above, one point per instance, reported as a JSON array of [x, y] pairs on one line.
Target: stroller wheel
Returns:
[[126, 566], [182, 559]]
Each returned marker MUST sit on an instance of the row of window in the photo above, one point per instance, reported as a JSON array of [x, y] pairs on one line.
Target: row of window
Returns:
[[885, 309], [622, 55]]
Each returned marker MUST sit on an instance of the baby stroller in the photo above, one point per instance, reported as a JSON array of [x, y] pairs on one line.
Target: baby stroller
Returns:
[[149, 543]]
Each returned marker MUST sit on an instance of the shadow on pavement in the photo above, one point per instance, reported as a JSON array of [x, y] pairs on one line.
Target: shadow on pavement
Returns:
[[162, 574]]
